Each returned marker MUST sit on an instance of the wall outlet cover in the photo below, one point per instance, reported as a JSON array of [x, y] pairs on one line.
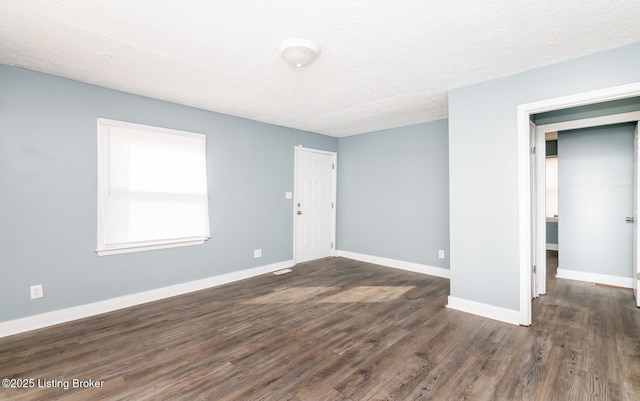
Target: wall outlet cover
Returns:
[[257, 253], [36, 291]]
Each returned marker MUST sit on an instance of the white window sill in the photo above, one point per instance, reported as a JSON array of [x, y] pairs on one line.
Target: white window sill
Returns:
[[119, 249], [552, 219]]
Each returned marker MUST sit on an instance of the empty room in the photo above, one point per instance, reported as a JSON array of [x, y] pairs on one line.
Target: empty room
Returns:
[[298, 200]]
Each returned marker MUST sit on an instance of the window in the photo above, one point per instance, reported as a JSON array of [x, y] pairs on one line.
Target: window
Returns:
[[551, 178], [152, 188]]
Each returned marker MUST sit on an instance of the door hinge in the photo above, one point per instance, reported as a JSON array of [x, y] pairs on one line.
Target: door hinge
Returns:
[[333, 166], [332, 245], [534, 268], [533, 150], [332, 205]]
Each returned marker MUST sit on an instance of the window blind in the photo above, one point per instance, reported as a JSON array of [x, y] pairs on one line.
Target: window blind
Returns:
[[152, 187]]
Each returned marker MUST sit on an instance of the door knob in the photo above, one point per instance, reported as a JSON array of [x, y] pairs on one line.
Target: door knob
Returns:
[[299, 211], [630, 219]]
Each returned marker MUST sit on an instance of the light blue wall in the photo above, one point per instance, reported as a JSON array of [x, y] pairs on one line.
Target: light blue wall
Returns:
[[48, 194], [574, 113], [595, 182], [393, 197], [483, 166]]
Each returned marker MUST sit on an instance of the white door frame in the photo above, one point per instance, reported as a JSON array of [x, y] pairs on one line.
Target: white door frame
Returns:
[[535, 209], [636, 209], [541, 130], [524, 186], [334, 159]]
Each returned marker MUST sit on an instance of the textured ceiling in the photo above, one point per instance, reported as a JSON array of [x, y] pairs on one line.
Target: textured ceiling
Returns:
[[383, 63]]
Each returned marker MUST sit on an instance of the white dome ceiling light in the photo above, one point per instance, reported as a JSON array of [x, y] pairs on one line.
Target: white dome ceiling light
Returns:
[[299, 52]]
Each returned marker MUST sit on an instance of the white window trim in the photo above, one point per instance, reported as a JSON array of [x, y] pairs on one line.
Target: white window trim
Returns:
[[147, 247], [104, 249]]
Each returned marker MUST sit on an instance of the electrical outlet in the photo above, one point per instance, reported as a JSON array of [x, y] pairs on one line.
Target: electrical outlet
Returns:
[[36, 291], [257, 253], [441, 253]]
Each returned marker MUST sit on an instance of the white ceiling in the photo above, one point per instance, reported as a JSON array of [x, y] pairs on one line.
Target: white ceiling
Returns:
[[383, 63]]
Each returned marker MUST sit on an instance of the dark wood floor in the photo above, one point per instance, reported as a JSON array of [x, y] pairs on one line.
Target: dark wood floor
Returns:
[[337, 329]]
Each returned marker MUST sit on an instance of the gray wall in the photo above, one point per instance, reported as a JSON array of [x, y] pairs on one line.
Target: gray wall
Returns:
[[595, 184], [483, 166], [393, 193], [551, 148], [48, 194], [552, 232]]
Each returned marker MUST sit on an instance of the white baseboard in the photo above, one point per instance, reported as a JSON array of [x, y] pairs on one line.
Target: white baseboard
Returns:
[[626, 282], [397, 264], [552, 247], [484, 310], [78, 312]]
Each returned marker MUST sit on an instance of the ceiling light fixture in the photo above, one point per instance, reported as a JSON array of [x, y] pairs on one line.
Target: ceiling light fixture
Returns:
[[299, 52]]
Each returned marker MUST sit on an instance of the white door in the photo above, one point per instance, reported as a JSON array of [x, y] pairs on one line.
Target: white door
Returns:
[[533, 192], [541, 212], [636, 207], [314, 204]]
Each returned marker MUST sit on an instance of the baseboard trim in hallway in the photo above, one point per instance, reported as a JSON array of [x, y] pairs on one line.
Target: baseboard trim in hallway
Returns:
[[607, 279]]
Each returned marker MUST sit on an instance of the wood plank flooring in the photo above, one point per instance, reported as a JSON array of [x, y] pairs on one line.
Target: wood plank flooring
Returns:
[[341, 330]]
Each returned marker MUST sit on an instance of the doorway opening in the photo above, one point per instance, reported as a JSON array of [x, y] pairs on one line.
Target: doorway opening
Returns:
[[532, 232]]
